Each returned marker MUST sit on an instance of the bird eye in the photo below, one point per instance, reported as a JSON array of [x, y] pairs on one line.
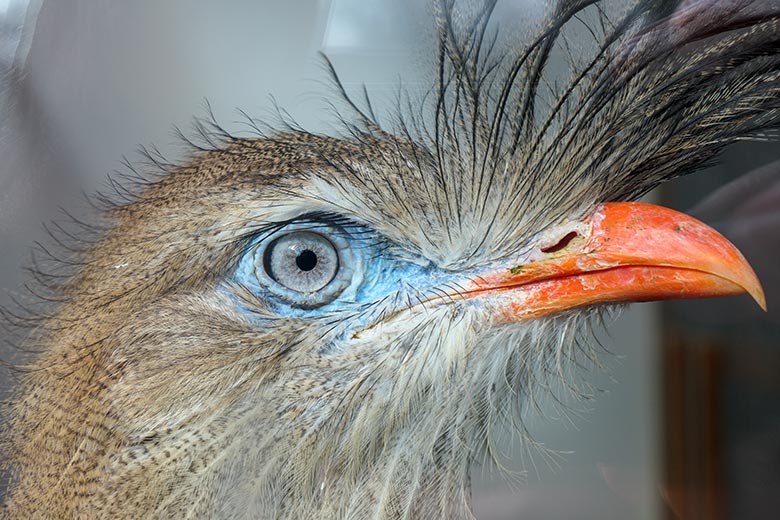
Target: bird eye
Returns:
[[301, 261], [303, 268]]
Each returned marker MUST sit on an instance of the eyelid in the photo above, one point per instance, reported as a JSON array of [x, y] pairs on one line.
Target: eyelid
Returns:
[[312, 222], [358, 235]]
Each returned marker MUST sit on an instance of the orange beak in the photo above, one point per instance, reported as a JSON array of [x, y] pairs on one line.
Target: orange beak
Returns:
[[624, 252]]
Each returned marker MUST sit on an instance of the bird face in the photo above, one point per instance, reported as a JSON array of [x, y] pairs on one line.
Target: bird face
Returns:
[[321, 260], [328, 354], [298, 326]]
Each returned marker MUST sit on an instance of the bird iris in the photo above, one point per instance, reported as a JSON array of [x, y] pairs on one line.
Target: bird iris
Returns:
[[300, 265], [301, 261]]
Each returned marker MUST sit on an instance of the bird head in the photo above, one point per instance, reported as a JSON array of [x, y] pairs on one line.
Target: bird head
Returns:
[[294, 325]]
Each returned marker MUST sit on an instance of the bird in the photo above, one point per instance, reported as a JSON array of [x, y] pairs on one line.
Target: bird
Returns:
[[299, 325]]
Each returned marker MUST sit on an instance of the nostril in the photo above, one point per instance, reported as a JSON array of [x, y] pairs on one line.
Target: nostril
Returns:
[[563, 242]]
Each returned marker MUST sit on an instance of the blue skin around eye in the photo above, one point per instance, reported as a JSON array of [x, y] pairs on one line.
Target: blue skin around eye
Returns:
[[377, 276], [386, 276]]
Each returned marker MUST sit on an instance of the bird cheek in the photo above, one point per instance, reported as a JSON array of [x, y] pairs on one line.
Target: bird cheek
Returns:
[[406, 325]]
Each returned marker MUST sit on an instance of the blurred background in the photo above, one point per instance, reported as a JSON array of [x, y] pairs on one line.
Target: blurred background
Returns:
[[685, 423]]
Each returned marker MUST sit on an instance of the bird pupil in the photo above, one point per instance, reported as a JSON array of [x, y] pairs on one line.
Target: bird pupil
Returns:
[[306, 260]]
